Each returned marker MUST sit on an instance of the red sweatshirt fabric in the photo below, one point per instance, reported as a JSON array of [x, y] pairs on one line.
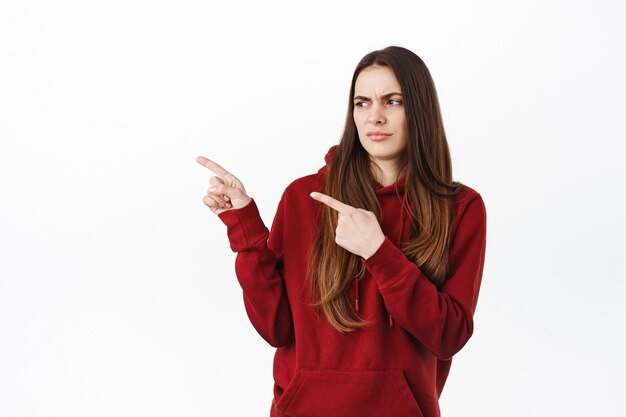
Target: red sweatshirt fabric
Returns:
[[399, 364]]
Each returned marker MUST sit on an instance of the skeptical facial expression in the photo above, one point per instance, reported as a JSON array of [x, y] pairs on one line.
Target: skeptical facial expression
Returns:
[[379, 107]]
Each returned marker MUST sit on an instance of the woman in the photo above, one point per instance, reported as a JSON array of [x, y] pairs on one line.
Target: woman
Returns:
[[368, 281]]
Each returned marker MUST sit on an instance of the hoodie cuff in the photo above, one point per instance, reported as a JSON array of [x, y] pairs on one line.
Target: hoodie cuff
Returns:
[[387, 264], [244, 226]]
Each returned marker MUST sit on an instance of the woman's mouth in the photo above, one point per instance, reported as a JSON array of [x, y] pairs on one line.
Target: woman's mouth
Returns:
[[378, 138], [378, 135]]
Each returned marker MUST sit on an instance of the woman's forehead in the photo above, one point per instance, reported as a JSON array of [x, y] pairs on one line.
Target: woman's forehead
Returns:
[[378, 82]]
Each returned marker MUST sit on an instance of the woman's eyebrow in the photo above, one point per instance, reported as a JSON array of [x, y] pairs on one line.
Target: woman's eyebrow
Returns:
[[367, 98]]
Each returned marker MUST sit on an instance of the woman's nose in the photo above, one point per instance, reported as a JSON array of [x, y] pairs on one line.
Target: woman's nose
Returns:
[[376, 115]]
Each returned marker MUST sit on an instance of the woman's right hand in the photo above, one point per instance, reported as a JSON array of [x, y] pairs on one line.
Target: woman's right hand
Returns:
[[227, 192]]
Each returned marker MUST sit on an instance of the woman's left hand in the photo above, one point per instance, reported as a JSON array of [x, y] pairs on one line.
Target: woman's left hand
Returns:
[[357, 230]]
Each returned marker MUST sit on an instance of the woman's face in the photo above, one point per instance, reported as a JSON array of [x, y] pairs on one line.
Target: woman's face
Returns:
[[379, 106]]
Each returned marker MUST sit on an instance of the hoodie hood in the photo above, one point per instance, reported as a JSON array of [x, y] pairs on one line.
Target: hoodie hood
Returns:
[[383, 193], [380, 190]]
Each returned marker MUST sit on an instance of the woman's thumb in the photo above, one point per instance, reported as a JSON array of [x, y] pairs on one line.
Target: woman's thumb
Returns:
[[236, 195]]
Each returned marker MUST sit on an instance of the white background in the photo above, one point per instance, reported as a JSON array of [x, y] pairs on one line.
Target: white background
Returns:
[[118, 295]]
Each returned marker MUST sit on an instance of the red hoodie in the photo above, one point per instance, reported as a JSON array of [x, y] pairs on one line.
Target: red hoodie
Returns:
[[397, 366]]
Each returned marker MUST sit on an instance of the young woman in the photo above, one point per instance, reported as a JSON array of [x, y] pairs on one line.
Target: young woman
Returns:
[[368, 281]]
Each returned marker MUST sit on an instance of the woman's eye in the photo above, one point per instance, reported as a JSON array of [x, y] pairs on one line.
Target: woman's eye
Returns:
[[358, 104]]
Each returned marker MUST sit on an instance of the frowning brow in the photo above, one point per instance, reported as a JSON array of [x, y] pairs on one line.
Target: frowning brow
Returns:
[[385, 96]]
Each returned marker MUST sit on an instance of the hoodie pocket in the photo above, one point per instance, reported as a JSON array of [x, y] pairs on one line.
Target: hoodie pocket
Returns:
[[339, 393]]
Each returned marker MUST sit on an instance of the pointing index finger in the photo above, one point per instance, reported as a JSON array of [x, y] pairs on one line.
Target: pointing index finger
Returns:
[[213, 166], [332, 203]]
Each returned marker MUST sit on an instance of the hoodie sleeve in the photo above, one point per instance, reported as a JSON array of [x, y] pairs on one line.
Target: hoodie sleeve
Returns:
[[442, 320], [259, 269]]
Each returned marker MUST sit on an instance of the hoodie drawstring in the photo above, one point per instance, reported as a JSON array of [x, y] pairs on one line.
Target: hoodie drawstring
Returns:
[[356, 299], [401, 237]]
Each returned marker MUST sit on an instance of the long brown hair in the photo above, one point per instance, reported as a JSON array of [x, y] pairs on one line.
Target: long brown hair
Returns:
[[430, 191]]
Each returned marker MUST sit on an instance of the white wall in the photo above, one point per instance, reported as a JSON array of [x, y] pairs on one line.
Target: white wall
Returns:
[[118, 294]]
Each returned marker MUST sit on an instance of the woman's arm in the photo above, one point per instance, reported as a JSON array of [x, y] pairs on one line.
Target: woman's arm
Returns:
[[441, 320], [259, 269]]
